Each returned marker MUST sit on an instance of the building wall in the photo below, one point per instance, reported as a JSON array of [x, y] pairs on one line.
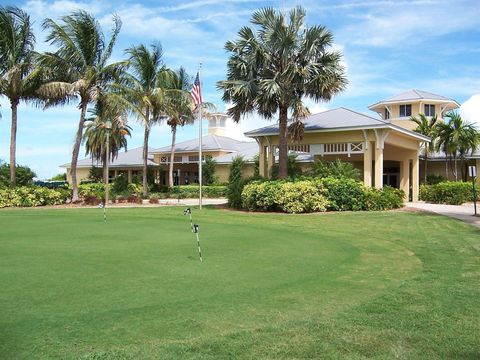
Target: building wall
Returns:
[[82, 174], [223, 172]]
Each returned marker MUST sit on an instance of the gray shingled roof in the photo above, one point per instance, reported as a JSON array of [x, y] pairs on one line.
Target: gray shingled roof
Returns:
[[246, 149], [130, 158], [413, 95], [210, 142]]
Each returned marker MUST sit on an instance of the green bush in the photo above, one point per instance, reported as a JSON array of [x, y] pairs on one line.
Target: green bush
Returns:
[[91, 190], [235, 183], [208, 171], [120, 184], [382, 199], [447, 192], [433, 179], [310, 195], [32, 196], [335, 169], [343, 194], [293, 168], [191, 191]]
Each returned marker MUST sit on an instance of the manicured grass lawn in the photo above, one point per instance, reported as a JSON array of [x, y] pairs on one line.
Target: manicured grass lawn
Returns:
[[349, 285]]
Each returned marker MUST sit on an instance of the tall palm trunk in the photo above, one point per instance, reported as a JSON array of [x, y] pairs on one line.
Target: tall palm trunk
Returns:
[[13, 143], [172, 156], [282, 144], [426, 160], [76, 151], [146, 135]]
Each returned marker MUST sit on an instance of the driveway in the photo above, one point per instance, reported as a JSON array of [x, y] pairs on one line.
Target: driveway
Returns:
[[461, 212]]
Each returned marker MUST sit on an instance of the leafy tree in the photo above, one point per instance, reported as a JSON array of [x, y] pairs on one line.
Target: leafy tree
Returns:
[[457, 139], [427, 127], [23, 174], [18, 78], [336, 169], [208, 171], [235, 183], [59, 177], [256, 167], [144, 94], [78, 71], [275, 65]]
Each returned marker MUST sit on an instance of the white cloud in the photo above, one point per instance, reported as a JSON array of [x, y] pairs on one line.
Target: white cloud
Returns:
[[470, 110]]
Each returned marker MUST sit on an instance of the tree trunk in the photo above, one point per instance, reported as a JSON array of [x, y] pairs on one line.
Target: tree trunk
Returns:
[[282, 144], [76, 151], [13, 143], [146, 135], [172, 156], [426, 159]]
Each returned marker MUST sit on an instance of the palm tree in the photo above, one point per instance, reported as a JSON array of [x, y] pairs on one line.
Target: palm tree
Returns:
[[78, 70], [427, 127], [275, 65], [144, 92], [95, 137], [457, 138], [18, 80], [180, 109]]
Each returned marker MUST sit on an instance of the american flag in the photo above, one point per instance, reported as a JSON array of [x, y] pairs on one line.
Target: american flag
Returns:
[[196, 92]]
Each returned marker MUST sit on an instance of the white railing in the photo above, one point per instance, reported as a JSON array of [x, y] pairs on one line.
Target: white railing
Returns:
[[337, 148]]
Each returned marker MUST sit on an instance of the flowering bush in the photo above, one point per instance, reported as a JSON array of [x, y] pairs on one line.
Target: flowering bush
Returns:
[[32, 196]]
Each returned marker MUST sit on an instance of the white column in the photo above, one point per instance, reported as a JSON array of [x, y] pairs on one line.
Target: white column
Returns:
[[415, 177], [405, 177], [378, 167], [367, 164]]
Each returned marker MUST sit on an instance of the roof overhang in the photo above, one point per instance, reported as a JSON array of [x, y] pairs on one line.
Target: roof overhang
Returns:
[[399, 129], [381, 104]]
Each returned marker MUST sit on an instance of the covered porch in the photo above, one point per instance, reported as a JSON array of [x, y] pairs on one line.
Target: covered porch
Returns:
[[385, 156]]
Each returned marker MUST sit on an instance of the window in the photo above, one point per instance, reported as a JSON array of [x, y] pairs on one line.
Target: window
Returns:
[[406, 110], [387, 114], [429, 110]]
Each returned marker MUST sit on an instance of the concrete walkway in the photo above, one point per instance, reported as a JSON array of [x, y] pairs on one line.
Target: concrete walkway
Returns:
[[461, 212]]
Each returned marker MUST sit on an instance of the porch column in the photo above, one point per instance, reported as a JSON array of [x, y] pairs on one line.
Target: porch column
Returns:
[[271, 160], [405, 178], [477, 164], [415, 177], [116, 173], [261, 159], [129, 176], [378, 167], [367, 164]]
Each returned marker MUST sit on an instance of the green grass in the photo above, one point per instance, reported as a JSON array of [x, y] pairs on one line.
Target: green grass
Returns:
[[349, 285]]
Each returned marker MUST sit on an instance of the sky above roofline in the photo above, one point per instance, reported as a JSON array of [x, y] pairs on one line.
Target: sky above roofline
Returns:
[[389, 47]]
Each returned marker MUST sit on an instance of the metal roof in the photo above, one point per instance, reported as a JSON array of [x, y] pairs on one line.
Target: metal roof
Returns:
[[130, 158], [210, 142], [413, 95], [339, 119]]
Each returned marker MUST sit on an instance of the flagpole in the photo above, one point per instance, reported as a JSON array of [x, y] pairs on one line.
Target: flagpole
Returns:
[[200, 160]]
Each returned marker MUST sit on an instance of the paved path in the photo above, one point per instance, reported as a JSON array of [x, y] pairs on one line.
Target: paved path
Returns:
[[461, 212]]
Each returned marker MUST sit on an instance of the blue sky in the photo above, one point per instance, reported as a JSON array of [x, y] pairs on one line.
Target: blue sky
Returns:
[[388, 47]]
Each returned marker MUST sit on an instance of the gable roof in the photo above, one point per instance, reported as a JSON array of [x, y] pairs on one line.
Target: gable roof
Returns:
[[210, 142], [413, 95], [339, 119], [130, 158]]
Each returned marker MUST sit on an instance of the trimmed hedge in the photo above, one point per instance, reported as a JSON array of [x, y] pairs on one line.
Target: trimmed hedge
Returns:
[[326, 194], [191, 191], [30, 196], [447, 192]]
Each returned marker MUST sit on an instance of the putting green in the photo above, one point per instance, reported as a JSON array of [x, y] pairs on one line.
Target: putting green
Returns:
[[134, 287]]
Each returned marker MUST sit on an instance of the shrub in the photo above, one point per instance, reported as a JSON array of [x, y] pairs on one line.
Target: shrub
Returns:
[[447, 192], [383, 199], [336, 169], [433, 179], [208, 171], [235, 183], [120, 184], [90, 190], [344, 194], [153, 200], [310, 195], [134, 199], [32, 196], [59, 177], [95, 174]]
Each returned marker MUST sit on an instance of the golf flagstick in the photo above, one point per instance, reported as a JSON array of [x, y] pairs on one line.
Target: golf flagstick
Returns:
[[195, 230], [187, 211]]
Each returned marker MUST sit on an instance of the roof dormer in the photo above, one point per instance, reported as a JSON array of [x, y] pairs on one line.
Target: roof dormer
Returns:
[[399, 108]]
